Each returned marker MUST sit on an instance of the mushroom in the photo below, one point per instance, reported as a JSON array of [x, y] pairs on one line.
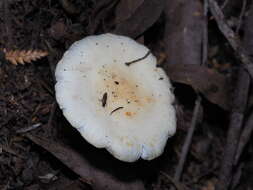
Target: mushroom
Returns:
[[110, 90]]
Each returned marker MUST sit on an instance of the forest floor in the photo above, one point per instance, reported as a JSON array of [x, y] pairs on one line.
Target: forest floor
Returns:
[[205, 47]]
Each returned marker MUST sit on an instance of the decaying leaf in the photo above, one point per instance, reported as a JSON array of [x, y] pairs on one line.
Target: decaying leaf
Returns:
[[183, 41], [100, 13], [23, 56], [69, 7], [95, 176], [214, 86], [141, 19], [126, 8]]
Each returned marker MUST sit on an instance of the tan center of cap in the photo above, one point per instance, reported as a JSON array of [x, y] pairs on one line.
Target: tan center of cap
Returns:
[[124, 95]]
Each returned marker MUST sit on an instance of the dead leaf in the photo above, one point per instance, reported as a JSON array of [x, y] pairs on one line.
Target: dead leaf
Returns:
[[143, 18], [69, 7], [126, 8], [97, 177], [214, 86], [103, 9], [183, 41]]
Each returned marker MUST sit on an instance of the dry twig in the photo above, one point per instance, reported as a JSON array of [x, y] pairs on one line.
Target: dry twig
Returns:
[[248, 126], [231, 37], [97, 177], [244, 138], [188, 139], [239, 101], [235, 126], [175, 183], [205, 35], [30, 128], [23, 56], [241, 16], [224, 4]]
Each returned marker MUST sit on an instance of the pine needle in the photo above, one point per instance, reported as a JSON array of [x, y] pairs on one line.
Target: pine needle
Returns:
[[23, 56]]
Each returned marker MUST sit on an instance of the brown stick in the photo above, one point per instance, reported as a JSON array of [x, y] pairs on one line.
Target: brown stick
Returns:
[[97, 177], [239, 102], [241, 16], [231, 36], [248, 129], [235, 126], [224, 4], [188, 140], [205, 35], [175, 183], [244, 138]]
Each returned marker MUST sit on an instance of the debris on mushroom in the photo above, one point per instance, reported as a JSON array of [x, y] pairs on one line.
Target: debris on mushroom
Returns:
[[110, 90]]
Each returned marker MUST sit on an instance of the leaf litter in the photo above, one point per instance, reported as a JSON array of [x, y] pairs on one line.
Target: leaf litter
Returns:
[[25, 101]]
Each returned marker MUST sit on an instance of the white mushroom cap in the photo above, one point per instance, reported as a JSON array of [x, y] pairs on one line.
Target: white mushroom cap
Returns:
[[126, 109]]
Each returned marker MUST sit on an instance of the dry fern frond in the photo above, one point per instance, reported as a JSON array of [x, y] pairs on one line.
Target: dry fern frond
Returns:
[[23, 56]]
